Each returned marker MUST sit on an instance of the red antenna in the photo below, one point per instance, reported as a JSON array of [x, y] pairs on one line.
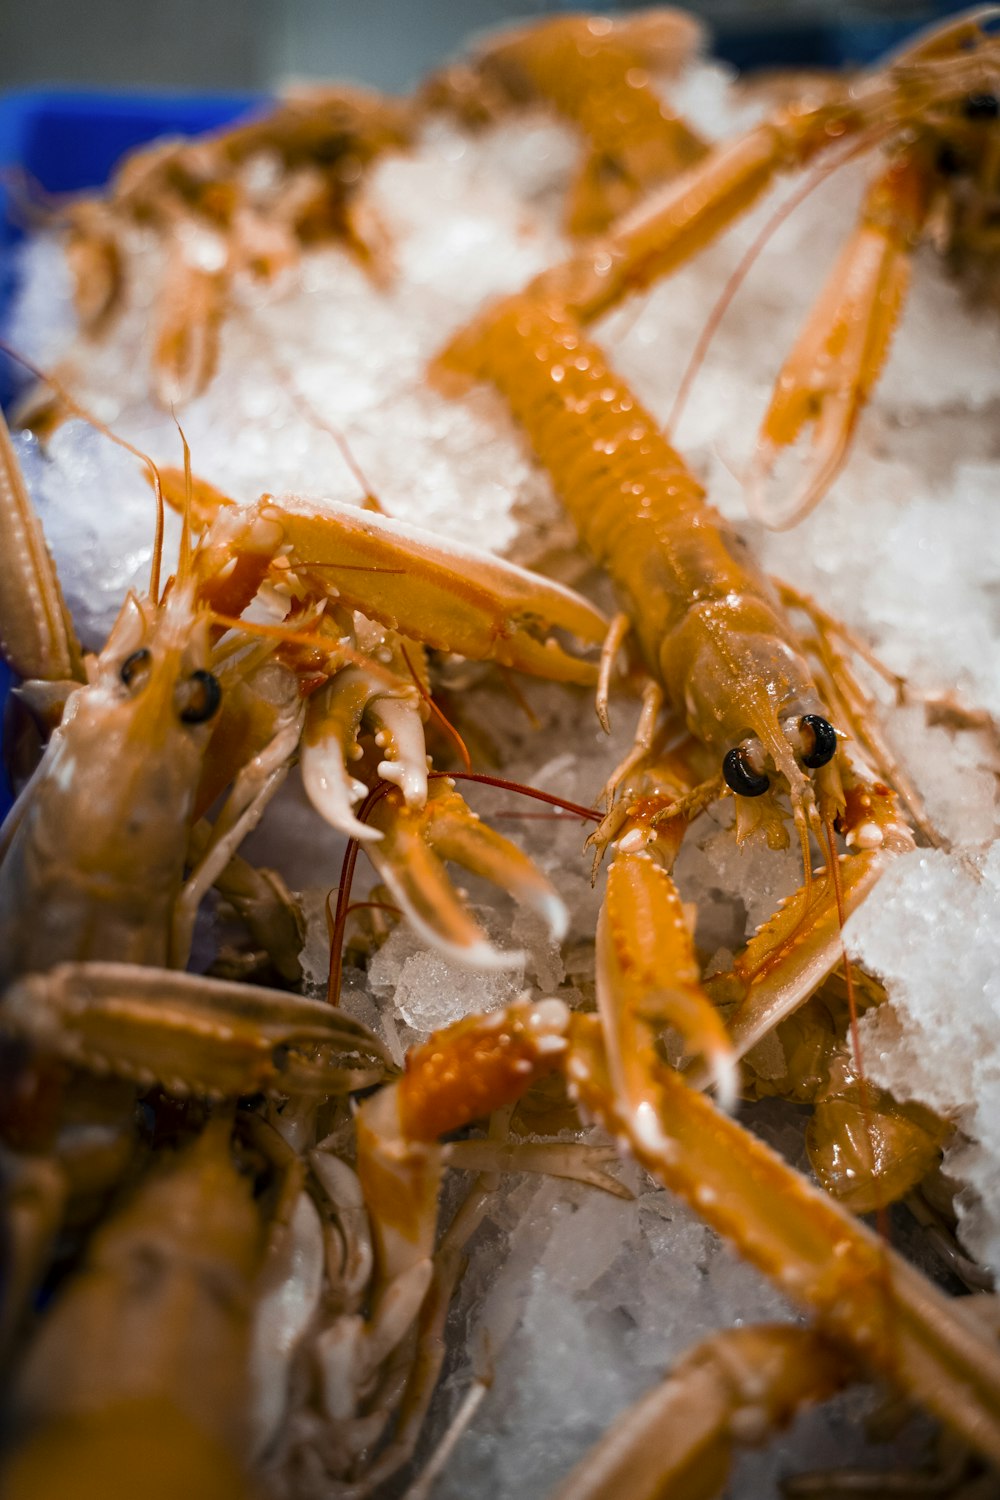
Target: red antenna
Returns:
[[337, 924]]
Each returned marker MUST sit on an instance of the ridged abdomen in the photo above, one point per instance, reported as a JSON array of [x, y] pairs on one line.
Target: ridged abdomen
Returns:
[[706, 619], [638, 508]]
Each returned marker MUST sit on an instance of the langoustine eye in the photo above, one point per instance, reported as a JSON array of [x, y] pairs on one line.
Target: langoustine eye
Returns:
[[824, 741], [198, 698], [740, 775], [134, 670]]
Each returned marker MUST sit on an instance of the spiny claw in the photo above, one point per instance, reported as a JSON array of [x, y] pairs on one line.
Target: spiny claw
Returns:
[[859, 1291], [36, 633], [187, 338], [333, 721], [839, 355], [792, 952], [399, 734], [410, 859], [730, 1390], [573, 1160], [191, 1034], [648, 977], [453, 598]]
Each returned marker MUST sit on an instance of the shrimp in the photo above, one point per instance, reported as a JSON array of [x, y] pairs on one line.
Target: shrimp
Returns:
[[195, 703], [102, 875], [139, 1374], [247, 199], [933, 108], [595, 72], [779, 720], [154, 683], [719, 649]]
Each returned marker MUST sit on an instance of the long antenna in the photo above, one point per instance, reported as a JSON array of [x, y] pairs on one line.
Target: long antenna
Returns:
[[746, 263]]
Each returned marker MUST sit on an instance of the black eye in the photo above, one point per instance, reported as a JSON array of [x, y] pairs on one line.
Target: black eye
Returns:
[[824, 738], [949, 163], [197, 699], [133, 668], [743, 781], [981, 107]]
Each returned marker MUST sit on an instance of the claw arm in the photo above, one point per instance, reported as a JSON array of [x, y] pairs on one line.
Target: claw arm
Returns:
[[191, 1034], [410, 857], [793, 952], [417, 879], [829, 375], [861, 1293], [36, 633], [460, 1074], [452, 598], [648, 978], [866, 1300], [670, 226], [460, 836], [734, 1387]]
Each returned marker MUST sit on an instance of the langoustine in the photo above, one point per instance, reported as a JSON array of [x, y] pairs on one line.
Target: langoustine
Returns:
[[247, 199], [933, 108], [721, 652], [103, 875], [641, 513], [606, 76]]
